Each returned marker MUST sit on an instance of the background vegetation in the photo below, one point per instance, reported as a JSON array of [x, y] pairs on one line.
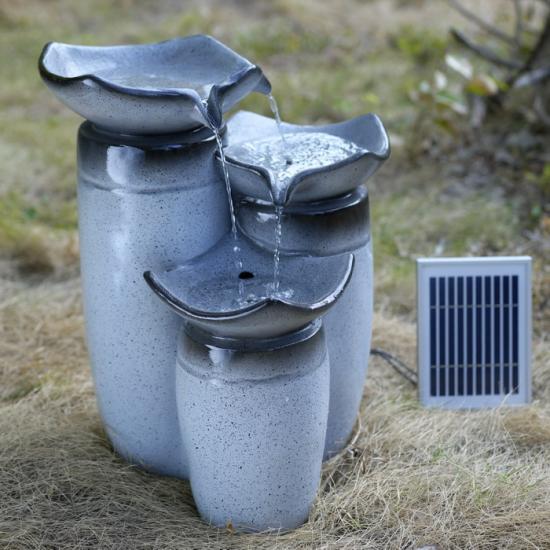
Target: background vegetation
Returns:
[[455, 185]]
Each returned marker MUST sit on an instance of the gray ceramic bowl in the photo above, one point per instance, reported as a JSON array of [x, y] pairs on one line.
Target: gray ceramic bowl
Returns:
[[254, 181], [206, 291], [161, 88]]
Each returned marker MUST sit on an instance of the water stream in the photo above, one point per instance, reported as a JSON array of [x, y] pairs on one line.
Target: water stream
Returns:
[[278, 208], [275, 110], [236, 247], [277, 251], [227, 183]]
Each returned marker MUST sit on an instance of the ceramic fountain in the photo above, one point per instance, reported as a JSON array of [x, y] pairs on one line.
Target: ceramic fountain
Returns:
[[226, 270]]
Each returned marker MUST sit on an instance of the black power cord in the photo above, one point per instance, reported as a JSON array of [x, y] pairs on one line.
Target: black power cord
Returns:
[[398, 365]]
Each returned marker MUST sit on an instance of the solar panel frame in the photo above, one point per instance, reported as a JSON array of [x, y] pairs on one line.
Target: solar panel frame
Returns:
[[465, 307]]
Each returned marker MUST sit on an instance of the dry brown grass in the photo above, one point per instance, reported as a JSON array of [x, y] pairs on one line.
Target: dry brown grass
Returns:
[[413, 477]]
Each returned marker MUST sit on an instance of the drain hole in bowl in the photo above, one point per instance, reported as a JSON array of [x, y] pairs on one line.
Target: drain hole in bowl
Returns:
[[246, 275]]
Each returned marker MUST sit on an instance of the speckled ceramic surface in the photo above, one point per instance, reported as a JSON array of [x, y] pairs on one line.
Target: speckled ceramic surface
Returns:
[[253, 180], [212, 294], [225, 379], [349, 331], [141, 207], [253, 426], [171, 86], [342, 228]]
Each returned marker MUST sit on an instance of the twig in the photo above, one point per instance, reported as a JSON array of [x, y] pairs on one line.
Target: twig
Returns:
[[542, 42], [537, 51], [398, 365], [484, 52], [536, 76], [485, 25], [518, 34]]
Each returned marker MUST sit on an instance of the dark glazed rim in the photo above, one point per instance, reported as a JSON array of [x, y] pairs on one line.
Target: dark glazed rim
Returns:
[[306, 212], [198, 135], [185, 310], [249, 70], [253, 344], [380, 155]]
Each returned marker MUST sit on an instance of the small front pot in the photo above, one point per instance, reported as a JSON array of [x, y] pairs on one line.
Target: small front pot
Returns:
[[253, 426]]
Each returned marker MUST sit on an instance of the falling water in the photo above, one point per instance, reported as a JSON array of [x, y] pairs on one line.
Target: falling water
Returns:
[[278, 208], [227, 183], [277, 252], [275, 110], [309, 150], [236, 247]]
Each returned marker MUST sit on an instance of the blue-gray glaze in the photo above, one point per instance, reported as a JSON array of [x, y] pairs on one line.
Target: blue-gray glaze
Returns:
[[254, 426], [141, 207], [341, 229], [254, 181], [142, 89], [205, 290]]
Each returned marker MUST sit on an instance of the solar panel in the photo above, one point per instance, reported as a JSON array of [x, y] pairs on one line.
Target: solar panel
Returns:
[[474, 331]]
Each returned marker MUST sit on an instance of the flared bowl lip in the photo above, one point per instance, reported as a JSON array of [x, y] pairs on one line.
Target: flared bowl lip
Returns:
[[350, 132], [307, 308], [233, 78]]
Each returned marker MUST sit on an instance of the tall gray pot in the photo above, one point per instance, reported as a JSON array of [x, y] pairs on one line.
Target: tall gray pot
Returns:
[[143, 203], [331, 227]]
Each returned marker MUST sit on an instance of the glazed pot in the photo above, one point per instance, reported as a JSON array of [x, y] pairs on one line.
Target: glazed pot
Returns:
[[238, 313], [140, 206], [173, 86], [332, 227], [368, 148], [253, 425]]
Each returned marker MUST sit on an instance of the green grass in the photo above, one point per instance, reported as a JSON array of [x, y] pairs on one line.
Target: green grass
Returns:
[[407, 226]]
